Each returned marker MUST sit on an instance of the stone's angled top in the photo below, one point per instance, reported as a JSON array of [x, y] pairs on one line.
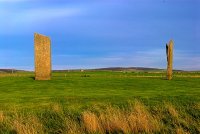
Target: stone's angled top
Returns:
[[37, 34], [171, 42]]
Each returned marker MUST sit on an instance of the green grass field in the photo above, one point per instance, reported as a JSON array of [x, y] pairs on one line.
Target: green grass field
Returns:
[[175, 104]]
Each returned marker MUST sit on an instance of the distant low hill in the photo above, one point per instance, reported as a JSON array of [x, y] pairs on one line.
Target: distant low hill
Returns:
[[143, 69], [11, 71], [130, 69]]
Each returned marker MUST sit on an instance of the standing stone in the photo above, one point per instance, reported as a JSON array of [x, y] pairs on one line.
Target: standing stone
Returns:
[[169, 52], [42, 57]]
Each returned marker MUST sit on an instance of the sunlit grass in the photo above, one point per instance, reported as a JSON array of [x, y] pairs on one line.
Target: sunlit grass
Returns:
[[99, 102], [132, 117]]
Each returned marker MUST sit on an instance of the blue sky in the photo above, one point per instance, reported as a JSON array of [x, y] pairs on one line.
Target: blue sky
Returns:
[[101, 33]]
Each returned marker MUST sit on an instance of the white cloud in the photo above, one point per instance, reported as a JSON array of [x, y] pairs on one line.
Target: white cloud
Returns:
[[34, 15], [25, 20]]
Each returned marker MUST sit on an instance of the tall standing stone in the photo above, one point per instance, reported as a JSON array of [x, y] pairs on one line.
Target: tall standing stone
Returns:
[[42, 57], [169, 52]]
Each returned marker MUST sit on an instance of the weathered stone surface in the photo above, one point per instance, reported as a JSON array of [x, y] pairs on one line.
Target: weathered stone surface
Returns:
[[169, 52], [42, 57]]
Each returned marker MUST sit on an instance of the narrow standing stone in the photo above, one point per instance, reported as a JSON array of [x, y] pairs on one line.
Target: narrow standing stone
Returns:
[[42, 57], [169, 52]]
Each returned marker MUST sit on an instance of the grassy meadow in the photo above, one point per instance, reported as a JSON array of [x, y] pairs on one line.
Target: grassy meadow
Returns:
[[100, 102]]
